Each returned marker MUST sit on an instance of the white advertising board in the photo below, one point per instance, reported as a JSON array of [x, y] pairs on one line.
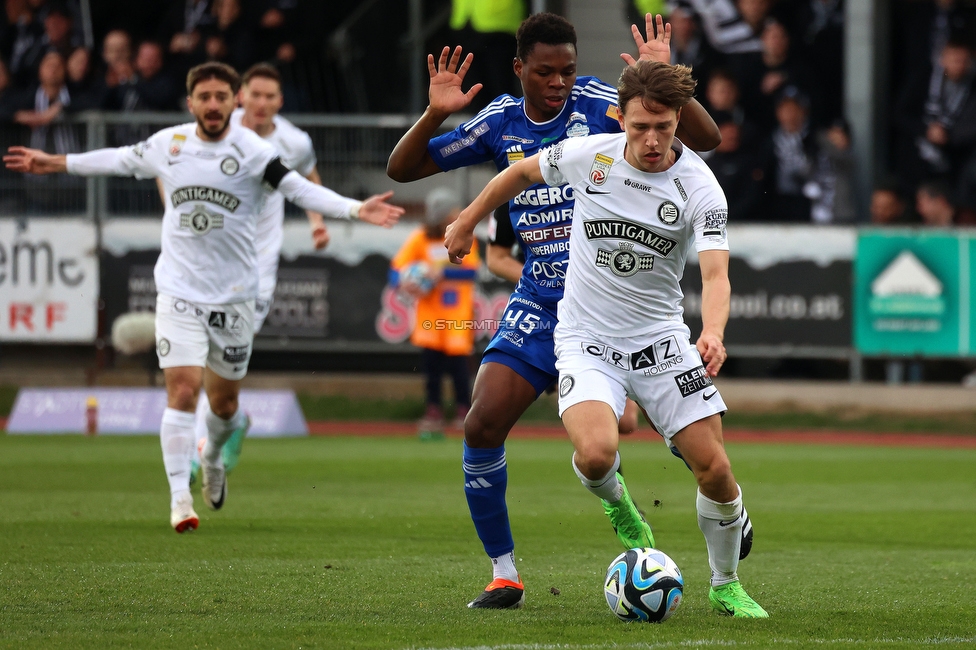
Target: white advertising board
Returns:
[[48, 280]]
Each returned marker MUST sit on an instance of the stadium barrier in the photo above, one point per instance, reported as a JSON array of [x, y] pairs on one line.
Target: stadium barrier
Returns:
[[133, 411]]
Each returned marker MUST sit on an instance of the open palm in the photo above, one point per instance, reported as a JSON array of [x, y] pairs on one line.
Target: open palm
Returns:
[[445, 92], [657, 47]]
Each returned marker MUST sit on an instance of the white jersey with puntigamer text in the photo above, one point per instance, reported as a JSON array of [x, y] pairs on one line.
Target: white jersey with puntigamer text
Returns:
[[295, 149], [631, 234], [214, 194]]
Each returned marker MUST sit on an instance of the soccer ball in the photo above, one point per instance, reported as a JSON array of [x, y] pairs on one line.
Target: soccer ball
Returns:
[[416, 278], [643, 585]]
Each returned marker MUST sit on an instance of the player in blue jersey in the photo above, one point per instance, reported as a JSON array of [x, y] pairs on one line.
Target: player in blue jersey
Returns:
[[519, 363]]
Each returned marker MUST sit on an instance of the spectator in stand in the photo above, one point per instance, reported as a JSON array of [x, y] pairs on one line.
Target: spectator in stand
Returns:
[[817, 32], [445, 294], [185, 28], [740, 170], [887, 205], [950, 112], [487, 29], [231, 41], [22, 31], [273, 37], [81, 82], [688, 45], [830, 189], [119, 83], [793, 153], [722, 95], [57, 36], [762, 75], [935, 205], [731, 26], [156, 89], [41, 108]]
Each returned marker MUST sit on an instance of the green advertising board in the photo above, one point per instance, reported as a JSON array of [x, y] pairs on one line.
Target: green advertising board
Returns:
[[913, 293]]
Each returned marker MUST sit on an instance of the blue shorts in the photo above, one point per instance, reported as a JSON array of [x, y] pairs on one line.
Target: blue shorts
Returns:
[[524, 343]]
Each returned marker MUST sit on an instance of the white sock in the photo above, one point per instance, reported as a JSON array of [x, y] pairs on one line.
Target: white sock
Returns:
[[608, 487], [503, 566], [176, 439], [218, 431], [721, 523], [200, 425]]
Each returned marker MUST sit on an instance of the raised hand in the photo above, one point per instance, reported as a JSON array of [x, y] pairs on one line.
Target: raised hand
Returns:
[[657, 48], [377, 211], [320, 237], [33, 161], [445, 93]]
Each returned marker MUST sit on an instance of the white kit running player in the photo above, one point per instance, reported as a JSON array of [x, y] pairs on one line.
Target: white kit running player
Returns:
[[260, 99], [206, 275], [642, 200]]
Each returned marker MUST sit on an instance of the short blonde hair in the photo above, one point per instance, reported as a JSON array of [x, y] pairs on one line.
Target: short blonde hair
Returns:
[[671, 86]]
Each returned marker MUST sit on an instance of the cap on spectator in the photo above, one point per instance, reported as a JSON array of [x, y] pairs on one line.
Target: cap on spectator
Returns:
[[440, 204], [794, 94]]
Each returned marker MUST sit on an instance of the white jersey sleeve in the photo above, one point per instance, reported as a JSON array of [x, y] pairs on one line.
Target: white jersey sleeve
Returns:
[[294, 145], [551, 162], [710, 213], [306, 194], [139, 160]]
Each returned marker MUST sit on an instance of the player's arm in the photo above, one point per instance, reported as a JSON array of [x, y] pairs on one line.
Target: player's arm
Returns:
[[502, 188], [501, 262], [162, 192], [696, 128], [121, 161], [501, 239], [716, 294], [305, 194], [320, 234], [410, 160]]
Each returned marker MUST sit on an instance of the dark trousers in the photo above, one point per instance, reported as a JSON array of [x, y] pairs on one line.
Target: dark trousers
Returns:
[[436, 363]]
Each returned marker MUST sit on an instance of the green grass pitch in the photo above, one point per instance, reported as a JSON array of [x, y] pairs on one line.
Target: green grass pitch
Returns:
[[366, 543]]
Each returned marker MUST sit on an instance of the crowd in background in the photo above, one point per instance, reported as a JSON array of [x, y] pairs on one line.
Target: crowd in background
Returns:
[[770, 72]]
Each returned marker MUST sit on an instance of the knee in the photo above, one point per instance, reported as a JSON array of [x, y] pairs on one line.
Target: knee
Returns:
[[183, 396], [716, 476], [480, 431], [595, 460], [223, 406]]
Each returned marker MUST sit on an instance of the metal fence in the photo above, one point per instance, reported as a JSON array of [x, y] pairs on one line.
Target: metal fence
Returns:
[[352, 152]]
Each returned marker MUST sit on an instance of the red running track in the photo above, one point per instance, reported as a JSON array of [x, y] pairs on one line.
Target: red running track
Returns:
[[336, 428]]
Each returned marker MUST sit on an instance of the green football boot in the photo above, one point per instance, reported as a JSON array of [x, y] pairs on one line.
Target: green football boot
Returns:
[[732, 600], [231, 453], [631, 528]]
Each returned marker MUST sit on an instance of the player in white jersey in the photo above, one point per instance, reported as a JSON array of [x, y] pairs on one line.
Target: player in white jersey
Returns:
[[206, 275], [642, 199], [260, 99]]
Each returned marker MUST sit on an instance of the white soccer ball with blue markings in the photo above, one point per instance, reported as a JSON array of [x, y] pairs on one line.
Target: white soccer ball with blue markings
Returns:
[[643, 584], [416, 278]]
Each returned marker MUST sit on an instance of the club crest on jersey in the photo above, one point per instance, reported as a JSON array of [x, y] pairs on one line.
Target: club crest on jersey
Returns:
[[229, 166], [624, 262], [200, 221], [176, 144], [668, 213], [576, 125], [600, 169]]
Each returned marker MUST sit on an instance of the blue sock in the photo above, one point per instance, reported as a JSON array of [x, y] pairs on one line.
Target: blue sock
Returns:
[[485, 482]]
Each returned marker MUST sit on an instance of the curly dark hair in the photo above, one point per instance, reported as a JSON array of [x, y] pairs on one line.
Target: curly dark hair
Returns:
[[545, 28], [212, 70]]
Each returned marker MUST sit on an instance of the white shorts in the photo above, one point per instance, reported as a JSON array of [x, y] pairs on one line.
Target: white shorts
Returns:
[[214, 336], [664, 374], [261, 310]]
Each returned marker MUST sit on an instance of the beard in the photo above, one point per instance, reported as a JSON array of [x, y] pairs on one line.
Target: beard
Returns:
[[213, 134]]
